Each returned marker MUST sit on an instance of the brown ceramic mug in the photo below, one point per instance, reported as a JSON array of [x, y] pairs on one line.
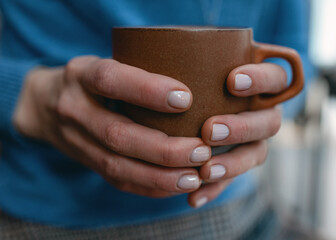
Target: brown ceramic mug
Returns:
[[201, 58]]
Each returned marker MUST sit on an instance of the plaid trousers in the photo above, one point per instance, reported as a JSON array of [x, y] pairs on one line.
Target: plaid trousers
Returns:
[[248, 218]]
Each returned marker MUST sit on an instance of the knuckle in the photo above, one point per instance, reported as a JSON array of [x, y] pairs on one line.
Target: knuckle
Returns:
[[243, 132], [167, 153], [72, 67], [156, 180], [105, 74], [75, 65], [110, 168], [63, 107], [144, 94], [116, 136]]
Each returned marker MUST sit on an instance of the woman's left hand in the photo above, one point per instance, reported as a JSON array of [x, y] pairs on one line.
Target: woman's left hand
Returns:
[[249, 130]]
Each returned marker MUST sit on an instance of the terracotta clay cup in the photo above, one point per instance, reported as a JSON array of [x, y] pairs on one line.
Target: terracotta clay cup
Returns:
[[201, 58]]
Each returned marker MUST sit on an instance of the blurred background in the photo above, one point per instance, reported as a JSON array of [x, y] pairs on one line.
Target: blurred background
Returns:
[[301, 169]]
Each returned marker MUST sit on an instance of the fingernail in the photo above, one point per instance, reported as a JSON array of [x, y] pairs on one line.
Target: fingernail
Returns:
[[217, 171], [200, 154], [219, 132], [200, 202], [188, 182], [179, 99], [242, 82]]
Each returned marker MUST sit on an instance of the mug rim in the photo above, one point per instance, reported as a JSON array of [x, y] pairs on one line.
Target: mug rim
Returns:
[[183, 28]]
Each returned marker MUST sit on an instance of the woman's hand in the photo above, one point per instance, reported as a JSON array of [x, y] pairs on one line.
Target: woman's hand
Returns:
[[64, 107], [251, 128]]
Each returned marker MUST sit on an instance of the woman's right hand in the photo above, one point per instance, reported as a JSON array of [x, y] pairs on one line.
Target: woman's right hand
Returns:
[[64, 106]]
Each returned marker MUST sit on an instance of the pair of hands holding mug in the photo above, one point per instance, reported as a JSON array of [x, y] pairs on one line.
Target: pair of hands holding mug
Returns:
[[64, 106]]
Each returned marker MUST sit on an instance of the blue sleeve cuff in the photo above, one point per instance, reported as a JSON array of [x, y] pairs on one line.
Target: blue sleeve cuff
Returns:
[[12, 75]]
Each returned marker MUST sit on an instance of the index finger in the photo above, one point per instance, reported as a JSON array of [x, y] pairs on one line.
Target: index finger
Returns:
[[114, 80]]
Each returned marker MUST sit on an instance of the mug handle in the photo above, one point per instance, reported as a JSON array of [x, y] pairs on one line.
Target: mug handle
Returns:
[[261, 51]]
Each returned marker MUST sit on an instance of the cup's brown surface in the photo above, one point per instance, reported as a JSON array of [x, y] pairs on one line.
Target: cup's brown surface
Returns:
[[201, 58]]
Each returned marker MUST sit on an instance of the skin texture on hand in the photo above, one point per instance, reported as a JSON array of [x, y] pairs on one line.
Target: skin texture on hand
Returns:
[[65, 106]]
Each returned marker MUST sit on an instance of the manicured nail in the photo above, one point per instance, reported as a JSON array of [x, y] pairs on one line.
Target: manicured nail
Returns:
[[179, 99], [200, 154], [200, 202], [242, 82], [187, 182], [219, 132], [217, 171]]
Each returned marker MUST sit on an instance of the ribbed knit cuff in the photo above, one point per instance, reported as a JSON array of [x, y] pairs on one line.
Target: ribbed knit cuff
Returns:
[[12, 75]]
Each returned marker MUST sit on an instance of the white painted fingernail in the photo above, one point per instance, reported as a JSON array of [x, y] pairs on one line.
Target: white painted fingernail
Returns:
[[217, 171], [242, 82], [200, 154], [187, 182], [219, 132], [179, 99], [200, 202]]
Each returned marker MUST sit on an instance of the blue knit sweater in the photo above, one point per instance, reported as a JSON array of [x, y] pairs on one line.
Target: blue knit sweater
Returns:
[[40, 184]]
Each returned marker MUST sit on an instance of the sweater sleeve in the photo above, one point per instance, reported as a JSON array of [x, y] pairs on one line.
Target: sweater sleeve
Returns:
[[12, 75]]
